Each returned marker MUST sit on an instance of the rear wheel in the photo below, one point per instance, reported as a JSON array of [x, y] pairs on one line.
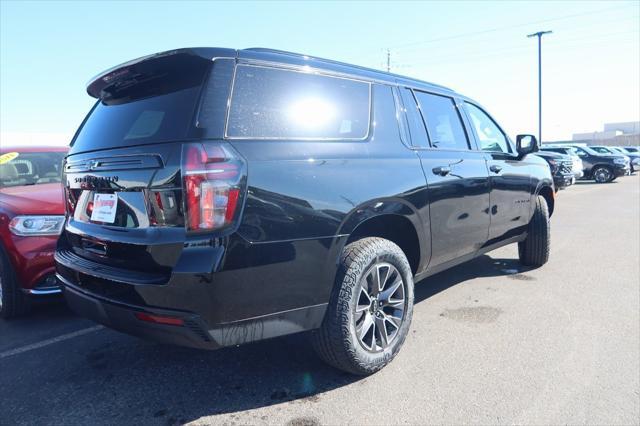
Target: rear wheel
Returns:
[[370, 310], [534, 251], [12, 301], [603, 174]]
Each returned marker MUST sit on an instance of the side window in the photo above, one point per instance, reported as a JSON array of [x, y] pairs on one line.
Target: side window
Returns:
[[581, 152], [443, 121], [417, 131], [271, 103], [487, 131]]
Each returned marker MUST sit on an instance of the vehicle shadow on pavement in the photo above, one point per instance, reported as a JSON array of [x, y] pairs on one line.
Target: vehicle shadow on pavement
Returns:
[[482, 266], [121, 379]]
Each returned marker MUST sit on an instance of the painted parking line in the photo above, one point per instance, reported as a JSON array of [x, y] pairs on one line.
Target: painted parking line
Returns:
[[48, 342]]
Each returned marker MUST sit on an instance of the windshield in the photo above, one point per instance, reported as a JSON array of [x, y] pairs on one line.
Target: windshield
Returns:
[[588, 150], [631, 149], [30, 168]]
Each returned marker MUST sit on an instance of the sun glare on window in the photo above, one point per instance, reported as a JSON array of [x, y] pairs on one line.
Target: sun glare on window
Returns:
[[311, 113]]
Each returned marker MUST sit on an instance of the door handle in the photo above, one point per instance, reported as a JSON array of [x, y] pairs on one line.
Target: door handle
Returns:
[[495, 168], [441, 170]]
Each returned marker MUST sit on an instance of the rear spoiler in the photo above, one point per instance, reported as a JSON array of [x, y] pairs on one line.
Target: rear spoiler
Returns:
[[138, 69]]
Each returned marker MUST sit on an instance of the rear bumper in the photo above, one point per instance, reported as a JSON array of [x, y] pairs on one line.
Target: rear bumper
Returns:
[[122, 317], [208, 309]]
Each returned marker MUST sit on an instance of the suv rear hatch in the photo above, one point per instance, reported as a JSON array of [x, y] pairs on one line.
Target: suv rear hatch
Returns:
[[148, 171]]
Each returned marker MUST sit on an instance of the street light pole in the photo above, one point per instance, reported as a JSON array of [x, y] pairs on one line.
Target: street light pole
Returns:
[[539, 34]]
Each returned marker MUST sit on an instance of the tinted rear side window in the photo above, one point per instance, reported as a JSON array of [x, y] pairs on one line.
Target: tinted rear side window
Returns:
[[270, 103], [443, 121]]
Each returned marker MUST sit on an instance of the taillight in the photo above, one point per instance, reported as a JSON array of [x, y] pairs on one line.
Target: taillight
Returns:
[[70, 201], [213, 178]]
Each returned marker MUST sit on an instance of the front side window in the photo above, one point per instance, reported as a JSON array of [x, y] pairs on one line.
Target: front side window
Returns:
[[271, 103], [489, 134], [443, 122]]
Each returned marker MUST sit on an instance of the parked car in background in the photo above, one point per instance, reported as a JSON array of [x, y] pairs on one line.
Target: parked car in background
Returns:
[[577, 167], [561, 167], [631, 149], [634, 157], [612, 150], [264, 193], [31, 218], [600, 167]]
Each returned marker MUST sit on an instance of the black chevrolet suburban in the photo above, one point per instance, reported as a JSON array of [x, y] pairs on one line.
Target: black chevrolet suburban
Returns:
[[217, 197]]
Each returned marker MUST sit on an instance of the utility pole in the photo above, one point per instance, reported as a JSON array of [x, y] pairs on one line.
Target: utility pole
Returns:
[[388, 60], [539, 34]]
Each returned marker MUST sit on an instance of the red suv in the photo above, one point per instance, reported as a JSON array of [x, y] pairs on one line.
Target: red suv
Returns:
[[31, 218]]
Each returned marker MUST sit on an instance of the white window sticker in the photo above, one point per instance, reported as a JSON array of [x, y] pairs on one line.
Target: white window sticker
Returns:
[[104, 208]]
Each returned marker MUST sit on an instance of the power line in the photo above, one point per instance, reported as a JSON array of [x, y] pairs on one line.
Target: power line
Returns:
[[476, 41], [463, 56], [508, 27]]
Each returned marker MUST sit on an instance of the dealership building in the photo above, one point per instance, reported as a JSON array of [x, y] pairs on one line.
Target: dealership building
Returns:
[[621, 134]]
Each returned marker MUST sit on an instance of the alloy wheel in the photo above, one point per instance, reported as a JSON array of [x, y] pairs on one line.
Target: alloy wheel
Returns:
[[380, 307], [602, 175]]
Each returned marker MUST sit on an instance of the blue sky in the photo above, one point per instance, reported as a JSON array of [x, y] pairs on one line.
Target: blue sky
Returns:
[[591, 63]]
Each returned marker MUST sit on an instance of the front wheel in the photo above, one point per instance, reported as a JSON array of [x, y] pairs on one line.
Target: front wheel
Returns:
[[370, 310], [534, 250], [603, 174]]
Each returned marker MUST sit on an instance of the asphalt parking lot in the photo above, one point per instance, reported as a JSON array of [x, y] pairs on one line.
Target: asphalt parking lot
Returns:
[[491, 343]]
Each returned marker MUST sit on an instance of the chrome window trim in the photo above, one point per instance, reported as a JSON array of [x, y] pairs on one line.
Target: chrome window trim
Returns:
[[302, 70]]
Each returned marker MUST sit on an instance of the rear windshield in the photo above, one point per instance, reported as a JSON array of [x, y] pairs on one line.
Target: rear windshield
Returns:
[[150, 102], [156, 119], [30, 168]]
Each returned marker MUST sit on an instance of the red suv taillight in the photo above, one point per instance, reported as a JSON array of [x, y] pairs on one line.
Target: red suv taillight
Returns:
[[214, 176]]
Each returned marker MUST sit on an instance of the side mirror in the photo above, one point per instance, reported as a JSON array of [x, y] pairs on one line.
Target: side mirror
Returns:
[[526, 144]]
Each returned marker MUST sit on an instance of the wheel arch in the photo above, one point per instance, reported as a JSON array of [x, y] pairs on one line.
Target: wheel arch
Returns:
[[396, 228], [548, 194]]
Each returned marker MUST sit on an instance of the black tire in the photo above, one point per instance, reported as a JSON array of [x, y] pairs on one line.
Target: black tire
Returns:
[[603, 174], [534, 251], [13, 302], [336, 341]]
